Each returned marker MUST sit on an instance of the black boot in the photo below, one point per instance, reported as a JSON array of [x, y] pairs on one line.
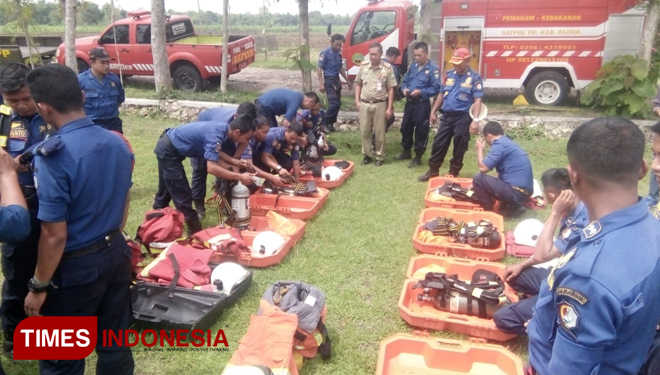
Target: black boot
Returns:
[[199, 207], [404, 155], [429, 175], [416, 162], [330, 128], [454, 171], [194, 226], [366, 160]]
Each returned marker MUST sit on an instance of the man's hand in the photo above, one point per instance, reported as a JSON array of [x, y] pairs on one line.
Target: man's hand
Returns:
[[357, 105], [19, 167], [284, 173], [563, 202], [481, 143], [6, 162], [33, 303], [657, 111], [244, 164], [474, 127], [275, 179], [286, 123], [389, 113], [512, 271], [406, 92], [350, 85], [325, 146], [434, 118], [246, 179], [416, 93], [322, 88]]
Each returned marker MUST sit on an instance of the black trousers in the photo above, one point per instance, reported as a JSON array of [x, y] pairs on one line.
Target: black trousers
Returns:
[[114, 123], [266, 113], [512, 318], [415, 124], [454, 125], [488, 188], [98, 285], [199, 173], [18, 264], [652, 364], [173, 184], [333, 93]]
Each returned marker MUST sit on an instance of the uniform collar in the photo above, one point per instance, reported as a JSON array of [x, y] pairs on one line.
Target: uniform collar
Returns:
[[380, 65], [618, 219], [569, 220], [423, 67], [77, 124], [16, 116]]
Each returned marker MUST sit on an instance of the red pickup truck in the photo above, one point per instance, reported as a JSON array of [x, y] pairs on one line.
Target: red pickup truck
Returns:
[[193, 58]]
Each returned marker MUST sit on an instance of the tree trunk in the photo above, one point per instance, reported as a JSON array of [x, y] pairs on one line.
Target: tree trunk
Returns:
[[162, 74], [650, 29], [425, 21], [303, 6], [70, 35], [225, 45], [199, 15]]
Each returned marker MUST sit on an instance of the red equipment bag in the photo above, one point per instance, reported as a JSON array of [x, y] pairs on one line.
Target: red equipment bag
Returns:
[[224, 241], [164, 225], [512, 248]]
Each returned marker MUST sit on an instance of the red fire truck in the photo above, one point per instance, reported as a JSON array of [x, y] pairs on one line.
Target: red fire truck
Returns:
[[547, 47]]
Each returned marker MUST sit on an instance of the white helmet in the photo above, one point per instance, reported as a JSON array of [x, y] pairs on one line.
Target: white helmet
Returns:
[[269, 242], [331, 173], [537, 190], [527, 232], [230, 274]]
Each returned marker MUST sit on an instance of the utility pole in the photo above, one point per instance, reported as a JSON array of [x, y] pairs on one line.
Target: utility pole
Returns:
[[225, 45]]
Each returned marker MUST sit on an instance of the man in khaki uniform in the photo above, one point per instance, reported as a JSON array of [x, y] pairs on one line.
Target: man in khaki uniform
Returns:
[[374, 95]]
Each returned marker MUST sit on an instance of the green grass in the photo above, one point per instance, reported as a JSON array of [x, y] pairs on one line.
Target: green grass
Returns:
[[146, 90], [356, 250]]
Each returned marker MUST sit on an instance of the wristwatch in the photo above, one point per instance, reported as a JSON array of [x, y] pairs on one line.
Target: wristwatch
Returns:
[[36, 287], [278, 168]]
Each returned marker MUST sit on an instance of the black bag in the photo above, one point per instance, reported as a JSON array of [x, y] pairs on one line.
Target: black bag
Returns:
[[482, 234]]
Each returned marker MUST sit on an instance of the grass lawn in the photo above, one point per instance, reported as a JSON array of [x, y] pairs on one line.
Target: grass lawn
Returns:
[[356, 250]]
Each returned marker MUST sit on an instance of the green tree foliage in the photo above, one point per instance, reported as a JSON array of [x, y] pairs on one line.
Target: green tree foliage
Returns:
[[44, 12], [624, 86]]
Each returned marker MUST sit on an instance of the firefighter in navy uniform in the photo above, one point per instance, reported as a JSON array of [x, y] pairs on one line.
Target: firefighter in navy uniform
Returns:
[[462, 87], [278, 143], [103, 91], [20, 259], [223, 115], [313, 123], [598, 309], [330, 67], [202, 140], [14, 216], [83, 266], [420, 84]]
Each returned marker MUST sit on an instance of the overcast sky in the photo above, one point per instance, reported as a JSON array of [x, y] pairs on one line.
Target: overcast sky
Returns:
[[245, 6]]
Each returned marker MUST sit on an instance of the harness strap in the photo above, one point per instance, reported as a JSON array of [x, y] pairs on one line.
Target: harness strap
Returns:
[[175, 279]]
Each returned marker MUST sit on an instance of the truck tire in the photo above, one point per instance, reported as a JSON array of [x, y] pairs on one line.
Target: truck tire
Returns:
[[187, 78], [547, 88], [82, 65]]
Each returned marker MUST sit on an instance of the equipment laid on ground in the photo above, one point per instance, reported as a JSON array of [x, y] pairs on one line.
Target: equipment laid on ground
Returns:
[[527, 232], [298, 190], [160, 228], [267, 243], [457, 192], [481, 297], [481, 234], [226, 276], [331, 173]]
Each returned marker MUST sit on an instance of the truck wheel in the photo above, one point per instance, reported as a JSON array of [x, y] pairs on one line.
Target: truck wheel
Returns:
[[82, 65], [187, 78], [547, 88]]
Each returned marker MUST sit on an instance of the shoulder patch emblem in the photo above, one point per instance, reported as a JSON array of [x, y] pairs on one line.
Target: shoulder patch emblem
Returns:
[[478, 86], [592, 229], [573, 294], [566, 233], [437, 74], [569, 318], [561, 263], [218, 147], [112, 84]]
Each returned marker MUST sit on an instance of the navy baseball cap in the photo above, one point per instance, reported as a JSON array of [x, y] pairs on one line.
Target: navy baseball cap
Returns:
[[98, 53]]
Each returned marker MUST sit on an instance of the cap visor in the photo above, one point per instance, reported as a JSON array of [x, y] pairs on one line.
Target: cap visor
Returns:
[[104, 58], [456, 60]]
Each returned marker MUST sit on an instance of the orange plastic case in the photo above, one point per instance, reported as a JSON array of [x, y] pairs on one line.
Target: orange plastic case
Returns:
[[289, 207], [321, 196], [456, 249], [330, 184], [439, 181], [260, 224], [259, 261], [424, 315], [410, 355]]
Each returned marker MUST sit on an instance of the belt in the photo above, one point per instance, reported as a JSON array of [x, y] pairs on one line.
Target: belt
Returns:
[[453, 113], [28, 191], [95, 247], [337, 76], [521, 190], [373, 101]]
